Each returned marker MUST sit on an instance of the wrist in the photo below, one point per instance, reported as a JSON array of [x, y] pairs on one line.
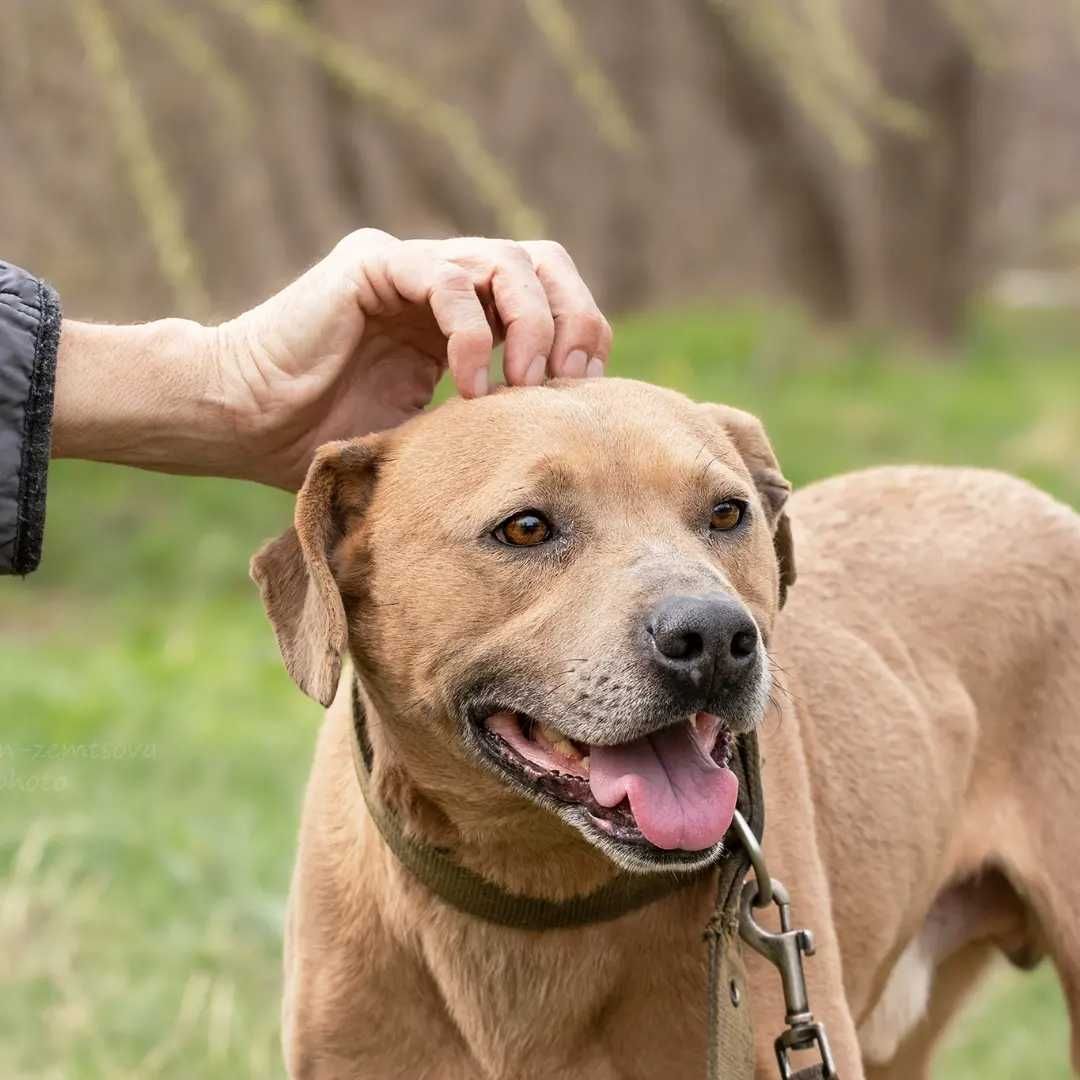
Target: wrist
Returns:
[[146, 395]]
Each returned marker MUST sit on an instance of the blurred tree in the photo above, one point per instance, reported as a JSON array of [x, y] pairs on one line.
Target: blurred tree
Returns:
[[879, 160], [869, 152]]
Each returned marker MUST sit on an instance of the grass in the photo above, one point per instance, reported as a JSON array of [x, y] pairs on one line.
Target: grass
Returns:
[[153, 752]]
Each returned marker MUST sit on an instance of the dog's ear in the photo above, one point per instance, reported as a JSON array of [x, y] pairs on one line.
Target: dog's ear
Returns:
[[293, 572], [748, 434]]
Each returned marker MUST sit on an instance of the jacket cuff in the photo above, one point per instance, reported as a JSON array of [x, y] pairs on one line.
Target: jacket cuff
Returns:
[[29, 337]]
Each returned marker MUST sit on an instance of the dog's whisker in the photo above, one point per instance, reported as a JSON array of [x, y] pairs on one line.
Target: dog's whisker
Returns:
[[791, 697], [774, 663], [778, 710]]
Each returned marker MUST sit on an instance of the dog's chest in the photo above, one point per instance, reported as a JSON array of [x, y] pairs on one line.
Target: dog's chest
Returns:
[[576, 1003]]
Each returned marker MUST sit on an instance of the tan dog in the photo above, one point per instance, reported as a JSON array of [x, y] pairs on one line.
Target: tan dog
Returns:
[[595, 570]]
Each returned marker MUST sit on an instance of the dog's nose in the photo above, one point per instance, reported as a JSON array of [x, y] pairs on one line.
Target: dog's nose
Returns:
[[698, 640]]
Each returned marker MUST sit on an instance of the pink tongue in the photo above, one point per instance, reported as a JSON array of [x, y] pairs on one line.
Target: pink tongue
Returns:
[[680, 797]]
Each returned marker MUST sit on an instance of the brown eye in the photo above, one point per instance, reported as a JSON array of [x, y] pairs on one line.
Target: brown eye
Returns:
[[726, 515], [525, 530]]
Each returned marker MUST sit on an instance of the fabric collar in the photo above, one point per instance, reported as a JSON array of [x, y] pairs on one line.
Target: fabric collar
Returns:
[[475, 895]]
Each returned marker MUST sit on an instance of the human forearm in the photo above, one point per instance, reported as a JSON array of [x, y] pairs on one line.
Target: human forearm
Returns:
[[144, 395]]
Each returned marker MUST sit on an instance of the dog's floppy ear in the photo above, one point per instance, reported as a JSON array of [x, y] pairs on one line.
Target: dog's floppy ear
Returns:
[[293, 572], [748, 434]]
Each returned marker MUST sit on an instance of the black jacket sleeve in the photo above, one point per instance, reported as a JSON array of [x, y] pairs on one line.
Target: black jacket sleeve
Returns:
[[29, 335]]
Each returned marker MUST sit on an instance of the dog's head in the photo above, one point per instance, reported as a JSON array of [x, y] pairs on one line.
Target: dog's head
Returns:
[[557, 596]]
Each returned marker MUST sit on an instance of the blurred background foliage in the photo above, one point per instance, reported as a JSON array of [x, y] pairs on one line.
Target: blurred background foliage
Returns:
[[874, 160], [858, 218]]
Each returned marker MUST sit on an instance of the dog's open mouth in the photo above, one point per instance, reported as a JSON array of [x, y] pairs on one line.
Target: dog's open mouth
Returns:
[[671, 789]]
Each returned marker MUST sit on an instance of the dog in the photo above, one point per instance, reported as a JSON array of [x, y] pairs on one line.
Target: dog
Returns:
[[560, 605]]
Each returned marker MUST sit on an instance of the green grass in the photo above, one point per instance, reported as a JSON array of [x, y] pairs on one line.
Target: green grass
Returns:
[[153, 752]]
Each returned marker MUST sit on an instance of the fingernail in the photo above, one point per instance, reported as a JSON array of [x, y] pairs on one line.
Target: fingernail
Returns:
[[595, 368], [480, 383], [575, 365], [534, 376]]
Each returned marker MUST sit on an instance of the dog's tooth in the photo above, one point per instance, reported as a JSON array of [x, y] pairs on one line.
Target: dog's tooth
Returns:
[[549, 734], [555, 741], [585, 763], [567, 749]]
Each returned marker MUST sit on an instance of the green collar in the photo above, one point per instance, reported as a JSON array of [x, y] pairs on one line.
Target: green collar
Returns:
[[474, 895]]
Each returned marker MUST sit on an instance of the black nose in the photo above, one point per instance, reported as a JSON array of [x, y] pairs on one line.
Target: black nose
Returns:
[[698, 641]]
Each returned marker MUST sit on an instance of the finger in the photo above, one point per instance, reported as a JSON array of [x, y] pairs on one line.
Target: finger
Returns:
[[503, 271], [362, 257], [420, 276], [582, 334], [522, 304]]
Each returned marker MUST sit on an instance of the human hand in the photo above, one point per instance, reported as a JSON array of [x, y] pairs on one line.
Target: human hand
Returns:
[[359, 342], [354, 345]]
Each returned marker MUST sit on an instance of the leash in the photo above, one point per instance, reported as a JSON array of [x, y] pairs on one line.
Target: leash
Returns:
[[731, 1048], [784, 951]]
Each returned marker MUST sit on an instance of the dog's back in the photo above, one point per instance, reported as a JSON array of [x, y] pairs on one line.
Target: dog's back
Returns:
[[932, 652]]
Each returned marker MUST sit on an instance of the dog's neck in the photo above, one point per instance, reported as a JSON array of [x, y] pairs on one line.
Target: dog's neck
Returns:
[[547, 879], [497, 1001]]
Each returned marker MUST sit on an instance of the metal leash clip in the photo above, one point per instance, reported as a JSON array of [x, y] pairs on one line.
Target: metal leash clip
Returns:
[[784, 951]]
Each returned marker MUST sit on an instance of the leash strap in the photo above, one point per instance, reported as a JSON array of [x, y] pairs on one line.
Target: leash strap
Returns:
[[730, 1029]]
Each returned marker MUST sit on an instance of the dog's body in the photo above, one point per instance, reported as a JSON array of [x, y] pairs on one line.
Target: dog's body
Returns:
[[919, 768]]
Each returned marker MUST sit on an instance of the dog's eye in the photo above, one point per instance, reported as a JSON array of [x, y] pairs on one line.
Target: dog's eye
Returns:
[[726, 515], [526, 529]]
